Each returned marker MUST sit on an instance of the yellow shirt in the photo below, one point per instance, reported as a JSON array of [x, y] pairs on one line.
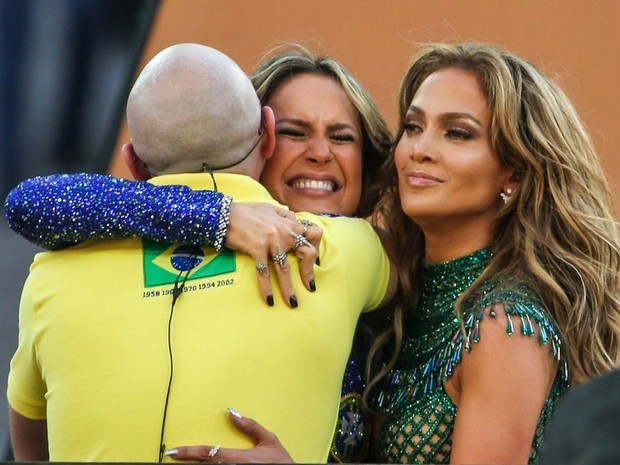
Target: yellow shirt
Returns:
[[93, 356]]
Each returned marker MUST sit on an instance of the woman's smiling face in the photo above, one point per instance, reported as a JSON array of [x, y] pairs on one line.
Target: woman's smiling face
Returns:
[[317, 162], [448, 170]]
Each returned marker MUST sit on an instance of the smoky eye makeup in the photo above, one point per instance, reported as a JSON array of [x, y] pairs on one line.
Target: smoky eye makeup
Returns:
[[460, 133], [411, 124]]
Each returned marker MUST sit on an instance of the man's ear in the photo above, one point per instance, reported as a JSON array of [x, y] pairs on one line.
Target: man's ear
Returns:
[[268, 142], [137, 167]]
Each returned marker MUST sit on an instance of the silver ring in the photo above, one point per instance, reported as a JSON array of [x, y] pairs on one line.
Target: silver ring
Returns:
[[280, 258], [300, 241], [261, 267], [306, 224], [214, 451]]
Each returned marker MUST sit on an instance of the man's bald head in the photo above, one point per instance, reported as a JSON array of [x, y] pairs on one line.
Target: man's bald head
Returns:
[[192, 104]]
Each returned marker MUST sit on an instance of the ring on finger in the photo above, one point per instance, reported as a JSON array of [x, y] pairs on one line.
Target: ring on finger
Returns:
[[280, 258], [214, 451], [261, 268], [300, 241], [306, 224]]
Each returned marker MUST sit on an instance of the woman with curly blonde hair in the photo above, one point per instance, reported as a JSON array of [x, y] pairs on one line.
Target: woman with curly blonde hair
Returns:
[[509, 258]]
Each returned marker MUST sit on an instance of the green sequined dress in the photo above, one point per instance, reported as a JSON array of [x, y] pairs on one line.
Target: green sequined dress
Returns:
[[420, 415]]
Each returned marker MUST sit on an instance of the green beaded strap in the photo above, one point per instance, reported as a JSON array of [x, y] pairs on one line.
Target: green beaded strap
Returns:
[[407, 383]]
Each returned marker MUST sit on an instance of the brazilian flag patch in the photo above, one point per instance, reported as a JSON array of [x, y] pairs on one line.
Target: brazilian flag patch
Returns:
[[164, 262]]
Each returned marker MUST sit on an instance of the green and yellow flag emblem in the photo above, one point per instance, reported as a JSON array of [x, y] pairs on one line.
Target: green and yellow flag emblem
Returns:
[[164, 262]]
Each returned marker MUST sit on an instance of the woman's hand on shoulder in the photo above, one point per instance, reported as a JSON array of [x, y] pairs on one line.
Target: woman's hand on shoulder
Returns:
[[267, 447], [263, 231]]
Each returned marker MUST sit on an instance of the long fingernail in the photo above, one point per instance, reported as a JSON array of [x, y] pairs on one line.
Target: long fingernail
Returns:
[[312, 285], [234, 412], [171, 453], [270, 300], [293, 301], [318, 261]]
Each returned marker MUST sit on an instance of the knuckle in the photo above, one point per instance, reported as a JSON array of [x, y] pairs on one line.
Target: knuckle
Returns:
[[270, 234]]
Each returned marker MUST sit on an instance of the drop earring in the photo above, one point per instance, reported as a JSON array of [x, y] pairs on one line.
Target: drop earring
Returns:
[[506, 196]]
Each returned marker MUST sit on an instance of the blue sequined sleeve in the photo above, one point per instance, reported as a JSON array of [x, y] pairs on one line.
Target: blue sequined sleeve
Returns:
[[57, 211]]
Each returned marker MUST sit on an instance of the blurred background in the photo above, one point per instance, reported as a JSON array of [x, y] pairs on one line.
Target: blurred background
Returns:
[[66, 67]]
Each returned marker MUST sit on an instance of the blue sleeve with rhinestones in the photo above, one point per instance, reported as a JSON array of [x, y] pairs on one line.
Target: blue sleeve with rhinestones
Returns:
[[58, 211]]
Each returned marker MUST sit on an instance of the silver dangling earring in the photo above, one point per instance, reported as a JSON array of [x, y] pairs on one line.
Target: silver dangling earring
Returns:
[[506, 196]]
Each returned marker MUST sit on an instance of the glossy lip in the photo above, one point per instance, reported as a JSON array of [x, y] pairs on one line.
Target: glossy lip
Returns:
[[314, 177], [421, 178]]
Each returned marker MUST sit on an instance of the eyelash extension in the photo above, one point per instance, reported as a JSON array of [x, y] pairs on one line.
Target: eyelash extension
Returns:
[[410, 127], [344, 137], [459, 133], [289, 132]]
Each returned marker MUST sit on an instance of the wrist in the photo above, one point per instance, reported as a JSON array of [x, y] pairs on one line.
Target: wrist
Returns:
[[222, 225]]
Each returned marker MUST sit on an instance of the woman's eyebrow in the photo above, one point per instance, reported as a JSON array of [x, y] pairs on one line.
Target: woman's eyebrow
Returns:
[[460, 115], [295, 121], [448, 116]]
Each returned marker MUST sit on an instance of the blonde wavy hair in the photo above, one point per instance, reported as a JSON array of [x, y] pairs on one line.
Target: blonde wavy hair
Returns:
[[557, 234], [285, 61]]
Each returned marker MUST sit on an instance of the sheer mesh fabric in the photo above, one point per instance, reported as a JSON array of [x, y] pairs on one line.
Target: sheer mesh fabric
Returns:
[[423, 434], [420, 415]]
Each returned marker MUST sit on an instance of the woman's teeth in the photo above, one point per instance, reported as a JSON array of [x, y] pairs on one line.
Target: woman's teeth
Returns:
[[314, 184]]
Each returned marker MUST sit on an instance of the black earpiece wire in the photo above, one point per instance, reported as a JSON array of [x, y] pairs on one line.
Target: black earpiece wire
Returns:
[[176, 292]]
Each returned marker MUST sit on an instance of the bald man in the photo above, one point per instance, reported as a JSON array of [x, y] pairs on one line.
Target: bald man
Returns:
[[128, 347]]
